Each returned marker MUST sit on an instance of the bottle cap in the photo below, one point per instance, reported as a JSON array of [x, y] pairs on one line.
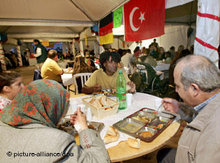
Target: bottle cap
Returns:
[[120, 71]]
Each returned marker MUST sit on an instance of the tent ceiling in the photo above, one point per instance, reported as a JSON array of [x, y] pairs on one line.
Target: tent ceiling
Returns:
[[182, 14], [75, 10], [64, 19], [28, 19]]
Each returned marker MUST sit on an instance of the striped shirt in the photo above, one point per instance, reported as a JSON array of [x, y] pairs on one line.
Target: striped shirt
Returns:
[[199, 107]]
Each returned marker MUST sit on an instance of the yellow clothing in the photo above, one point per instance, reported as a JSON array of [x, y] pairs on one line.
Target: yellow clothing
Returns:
[[105, 81], [51, 70]]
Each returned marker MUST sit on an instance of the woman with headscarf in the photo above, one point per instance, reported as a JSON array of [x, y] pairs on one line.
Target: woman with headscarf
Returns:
[[29, 133]]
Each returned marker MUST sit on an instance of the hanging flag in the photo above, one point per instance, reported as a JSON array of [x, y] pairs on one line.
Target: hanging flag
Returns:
[[117, 17], [105, 30], [208, 19], [144, 19]]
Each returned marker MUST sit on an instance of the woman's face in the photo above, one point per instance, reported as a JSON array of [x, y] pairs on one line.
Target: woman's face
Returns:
[[16, 87]]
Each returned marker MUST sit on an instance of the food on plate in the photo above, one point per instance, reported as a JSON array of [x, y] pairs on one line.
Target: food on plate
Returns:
[[103, 100], [134, 143], [142, 119], [90, 126], [146, 134], [159, 126], [95, 125], [95, 103], [109, 92], [130, 127], [112, 135]]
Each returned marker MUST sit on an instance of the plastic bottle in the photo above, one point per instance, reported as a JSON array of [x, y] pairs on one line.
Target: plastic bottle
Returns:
[[121, 90]]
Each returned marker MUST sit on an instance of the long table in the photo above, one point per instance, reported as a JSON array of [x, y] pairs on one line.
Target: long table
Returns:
[[117, 150], [162, 66]]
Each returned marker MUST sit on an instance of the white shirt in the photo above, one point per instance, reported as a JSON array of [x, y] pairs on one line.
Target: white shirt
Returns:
[[4, 102], [38, 52]]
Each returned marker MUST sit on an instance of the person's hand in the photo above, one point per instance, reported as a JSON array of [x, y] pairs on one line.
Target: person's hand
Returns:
[[79, 117], [132, 87], [97, 88], [170, 104]]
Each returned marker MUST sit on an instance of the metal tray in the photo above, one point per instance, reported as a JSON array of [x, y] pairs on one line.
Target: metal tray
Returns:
[[145, 124], [98, 126], [143, 116], [146, 133], [129, 126]]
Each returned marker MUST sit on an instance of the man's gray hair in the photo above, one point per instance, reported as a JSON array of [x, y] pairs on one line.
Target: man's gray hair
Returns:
[[201, 71]]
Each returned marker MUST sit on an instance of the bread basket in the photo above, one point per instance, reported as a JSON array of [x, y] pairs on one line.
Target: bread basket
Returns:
[[101, 111]]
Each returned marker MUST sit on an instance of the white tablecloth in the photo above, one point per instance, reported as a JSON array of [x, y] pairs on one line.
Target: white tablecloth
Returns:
[[67, 79], [139, 101], [162, 66]]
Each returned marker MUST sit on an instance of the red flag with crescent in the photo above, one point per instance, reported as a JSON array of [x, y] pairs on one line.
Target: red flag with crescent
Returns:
[[144, 19]]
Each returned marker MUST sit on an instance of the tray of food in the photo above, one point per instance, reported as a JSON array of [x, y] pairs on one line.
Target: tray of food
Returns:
[[109, 92], [69, 128], [145, 124]]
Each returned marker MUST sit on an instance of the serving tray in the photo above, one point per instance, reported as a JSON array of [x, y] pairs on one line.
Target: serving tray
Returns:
[[145, 124]]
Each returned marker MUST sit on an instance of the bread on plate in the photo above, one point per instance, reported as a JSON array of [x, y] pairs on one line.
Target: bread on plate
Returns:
[[112, 135], [134, 143]]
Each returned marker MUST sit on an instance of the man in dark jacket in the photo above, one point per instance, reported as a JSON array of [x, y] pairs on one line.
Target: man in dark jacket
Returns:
[[40, 52]]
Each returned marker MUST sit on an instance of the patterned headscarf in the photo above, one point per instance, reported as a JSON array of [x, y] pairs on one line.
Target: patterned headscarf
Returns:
[[42, 102]]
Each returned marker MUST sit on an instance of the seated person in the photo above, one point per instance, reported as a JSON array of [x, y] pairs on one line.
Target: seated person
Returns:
[[105, 77], [10, 85], [50, 69], [148, 59], [197, 81], [32, 128], [153, 51], [89, 61], [125, 60]]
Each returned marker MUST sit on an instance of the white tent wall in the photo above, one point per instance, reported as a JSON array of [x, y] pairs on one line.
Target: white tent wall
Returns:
[[175, 35]]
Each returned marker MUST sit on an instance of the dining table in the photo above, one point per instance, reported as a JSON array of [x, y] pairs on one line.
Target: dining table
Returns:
[[120, 151], [67, 79], [161, 66]]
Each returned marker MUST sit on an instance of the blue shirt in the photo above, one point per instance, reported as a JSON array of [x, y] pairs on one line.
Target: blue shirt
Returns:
[[199, 107]]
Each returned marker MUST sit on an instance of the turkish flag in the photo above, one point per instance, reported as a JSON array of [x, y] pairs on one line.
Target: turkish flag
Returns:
[[144, 19]]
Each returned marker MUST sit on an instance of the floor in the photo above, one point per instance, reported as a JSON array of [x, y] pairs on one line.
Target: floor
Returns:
[[28, 72]]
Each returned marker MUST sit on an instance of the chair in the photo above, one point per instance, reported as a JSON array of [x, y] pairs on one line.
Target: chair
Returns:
[[150, 83], [37, 74], [83, 78]]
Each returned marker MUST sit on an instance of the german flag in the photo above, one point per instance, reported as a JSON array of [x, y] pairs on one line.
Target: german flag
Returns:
[[105, 30]]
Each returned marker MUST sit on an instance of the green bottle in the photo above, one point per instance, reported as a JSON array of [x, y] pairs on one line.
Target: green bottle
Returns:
[[121, 90]]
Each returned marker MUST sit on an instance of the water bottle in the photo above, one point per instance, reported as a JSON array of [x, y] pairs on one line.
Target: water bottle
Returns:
[[121, 90]]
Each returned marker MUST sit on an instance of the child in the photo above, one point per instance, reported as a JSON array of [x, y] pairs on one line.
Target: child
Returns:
[[10, 85]]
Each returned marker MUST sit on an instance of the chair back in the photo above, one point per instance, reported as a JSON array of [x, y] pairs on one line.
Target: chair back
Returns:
[[83, 78], [37, 74]]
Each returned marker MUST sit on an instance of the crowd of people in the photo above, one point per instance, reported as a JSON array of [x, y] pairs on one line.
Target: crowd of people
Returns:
[[32, 112]]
